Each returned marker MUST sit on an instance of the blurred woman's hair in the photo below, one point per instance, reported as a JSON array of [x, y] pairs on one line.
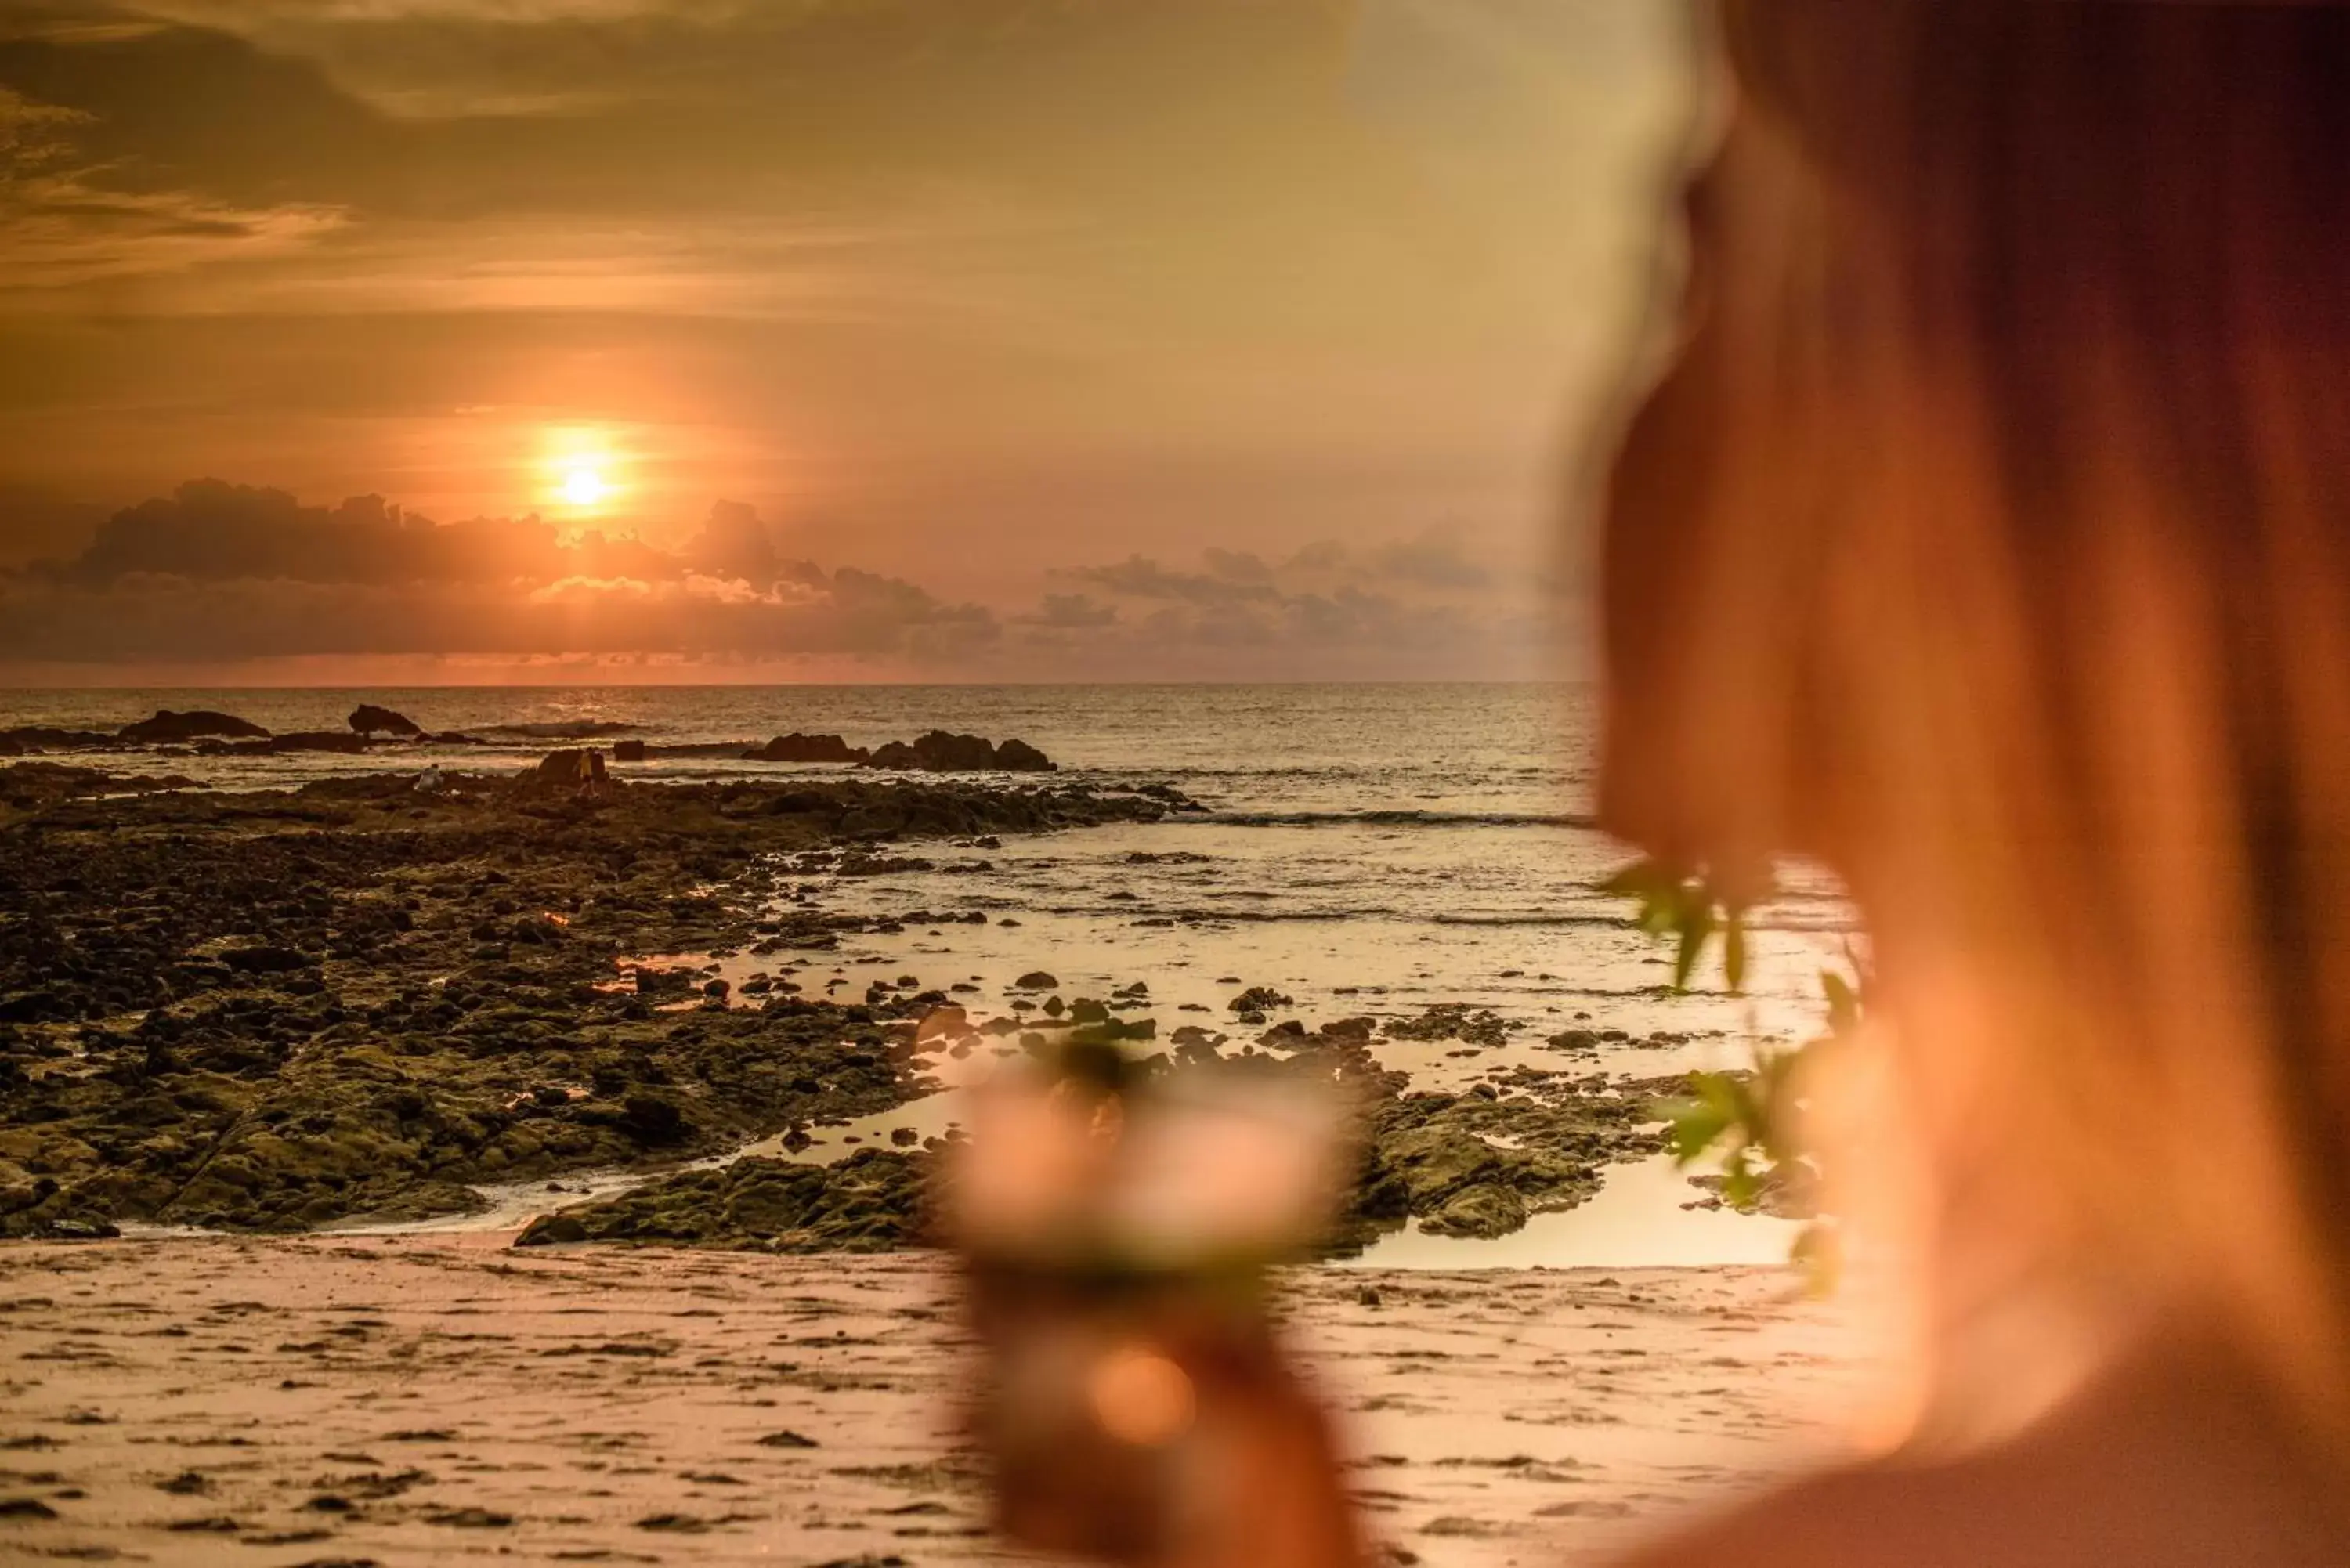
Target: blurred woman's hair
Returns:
[[1988, 538]]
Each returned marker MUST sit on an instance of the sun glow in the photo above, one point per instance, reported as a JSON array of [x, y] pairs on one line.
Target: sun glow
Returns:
[[581, 469], [585, 485]]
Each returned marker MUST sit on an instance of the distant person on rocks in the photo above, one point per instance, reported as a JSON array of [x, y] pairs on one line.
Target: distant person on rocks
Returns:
[[1987, 537]]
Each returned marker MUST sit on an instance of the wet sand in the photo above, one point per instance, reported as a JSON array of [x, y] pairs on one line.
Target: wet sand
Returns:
[[343, 1400]]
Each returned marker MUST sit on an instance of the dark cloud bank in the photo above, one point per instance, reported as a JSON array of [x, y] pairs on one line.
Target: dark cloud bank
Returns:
[[219, 574]]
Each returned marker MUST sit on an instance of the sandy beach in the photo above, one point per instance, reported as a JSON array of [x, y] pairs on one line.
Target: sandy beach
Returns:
[[405, 1022], [269, 1403]]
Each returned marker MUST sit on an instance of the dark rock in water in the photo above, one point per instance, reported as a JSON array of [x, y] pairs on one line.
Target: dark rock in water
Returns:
[[301, 1006], [1258, 999], [28, 785], [1019, 757], [1788, 1190], [1034, 980], [83, 1231], [581, 769], [41, 738], [871, 1201], [939, 752], [785, 1439], [628, 751], [798, 748], [319, 741], [43, 1207], [1110, 1031], [551, 1229], [167, 728], [368, 719], [1453, 1021], [1486, 1209]]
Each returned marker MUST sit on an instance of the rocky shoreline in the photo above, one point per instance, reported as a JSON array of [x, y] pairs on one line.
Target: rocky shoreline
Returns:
[[372, 730], [280, 1010], [366, 998]]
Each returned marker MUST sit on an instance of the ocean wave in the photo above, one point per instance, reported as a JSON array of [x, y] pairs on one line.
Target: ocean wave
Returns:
[[1218, 915], [566, 730], [1625, 922], [1400, 818]]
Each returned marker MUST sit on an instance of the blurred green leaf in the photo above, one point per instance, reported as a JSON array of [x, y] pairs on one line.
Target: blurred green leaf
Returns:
[[1818, 1251], [1752, 1121], [1697, 925], [1843, 1002]]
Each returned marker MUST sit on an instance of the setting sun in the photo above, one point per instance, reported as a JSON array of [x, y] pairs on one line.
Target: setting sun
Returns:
[[582, 465], [584, 485]]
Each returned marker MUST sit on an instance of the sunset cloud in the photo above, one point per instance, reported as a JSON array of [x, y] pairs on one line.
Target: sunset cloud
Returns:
[[220, 571], [227, 575], [985, 296]]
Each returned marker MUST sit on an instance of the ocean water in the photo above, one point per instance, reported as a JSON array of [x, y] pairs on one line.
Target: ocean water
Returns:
[[1366, 849]]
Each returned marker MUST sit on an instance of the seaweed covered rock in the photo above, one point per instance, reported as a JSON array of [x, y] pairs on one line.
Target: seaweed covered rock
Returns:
[[42, 1209], [250, 1117], [1480, 1167], [872, 1201], [272, 1010], [1453, 1021]]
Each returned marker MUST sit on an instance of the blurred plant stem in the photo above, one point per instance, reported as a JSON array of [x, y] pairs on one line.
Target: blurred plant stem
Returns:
[[1752, 1120]]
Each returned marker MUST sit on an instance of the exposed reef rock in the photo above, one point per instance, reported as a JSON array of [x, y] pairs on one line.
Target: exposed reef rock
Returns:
[[798, 748], [319, 741], [45, 737], [580, 768], [167, 728], [1473, 1165], [872, 1201], [937, 751], [368, 719], [272, 1010], [31, 786]]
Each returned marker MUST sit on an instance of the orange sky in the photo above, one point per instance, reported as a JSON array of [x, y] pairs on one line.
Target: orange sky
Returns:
[[983, 298]]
